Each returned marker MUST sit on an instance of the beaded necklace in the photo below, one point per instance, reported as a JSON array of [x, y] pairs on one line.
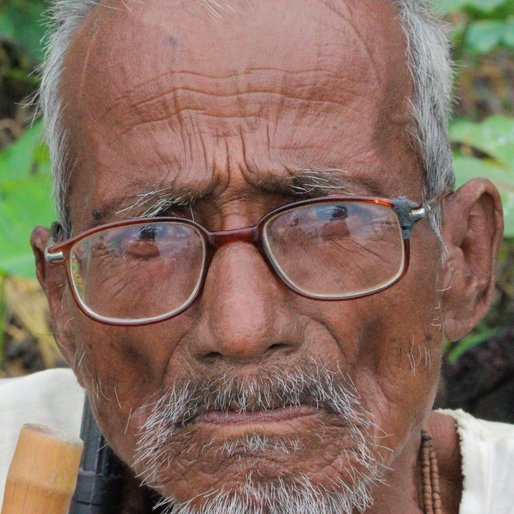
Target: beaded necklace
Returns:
[[429, 476]]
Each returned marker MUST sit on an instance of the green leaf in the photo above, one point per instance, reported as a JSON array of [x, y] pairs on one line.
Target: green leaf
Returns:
[[6, 27], [494, 137], [486, 6], [2, 318], [468, 168], [22, 202], [22, 24], [469, 342], [25, 196], [485, 35], [444, 7], [25, 156], [508, 36]]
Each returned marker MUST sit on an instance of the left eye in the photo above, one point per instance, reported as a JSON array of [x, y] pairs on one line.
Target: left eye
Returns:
[[330, 212], [149, 233]]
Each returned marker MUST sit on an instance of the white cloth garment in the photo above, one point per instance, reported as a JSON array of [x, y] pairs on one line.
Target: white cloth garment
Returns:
[[52, 398], [55, 399], [487, 451]]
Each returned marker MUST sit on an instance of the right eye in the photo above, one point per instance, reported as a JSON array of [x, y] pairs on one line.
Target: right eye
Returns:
[[140, 241], [148, 233], [326, 213], [143, 243]]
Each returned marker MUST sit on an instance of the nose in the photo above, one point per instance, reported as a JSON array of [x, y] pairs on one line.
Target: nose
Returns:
[[243, 310]]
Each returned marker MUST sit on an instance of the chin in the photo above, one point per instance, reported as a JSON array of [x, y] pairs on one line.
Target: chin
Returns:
[[263, 474], [259, 491]]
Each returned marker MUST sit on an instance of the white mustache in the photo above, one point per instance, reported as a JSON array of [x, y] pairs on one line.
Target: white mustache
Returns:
[[179, 406]]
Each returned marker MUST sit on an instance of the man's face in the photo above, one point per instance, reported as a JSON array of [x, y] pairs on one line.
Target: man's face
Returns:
[[226, 105]]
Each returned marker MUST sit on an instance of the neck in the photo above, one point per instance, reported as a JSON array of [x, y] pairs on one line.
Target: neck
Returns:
[[447, 446], [401, 492]]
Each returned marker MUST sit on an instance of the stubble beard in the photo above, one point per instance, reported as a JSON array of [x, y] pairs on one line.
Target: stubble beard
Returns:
[[312, 384]]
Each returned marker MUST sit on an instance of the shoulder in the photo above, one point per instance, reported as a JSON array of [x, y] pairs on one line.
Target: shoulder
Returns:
[[52, 398], [45, 395], [487, 452]]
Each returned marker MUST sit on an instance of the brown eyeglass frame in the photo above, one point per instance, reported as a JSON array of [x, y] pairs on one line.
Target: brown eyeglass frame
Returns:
[[407, 211]]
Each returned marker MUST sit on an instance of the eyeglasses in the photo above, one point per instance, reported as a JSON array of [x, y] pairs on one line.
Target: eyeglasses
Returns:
[[145, 270]]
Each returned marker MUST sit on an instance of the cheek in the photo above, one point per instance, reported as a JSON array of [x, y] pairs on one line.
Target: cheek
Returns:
[[391, 343], [63, 313], [120, 372], [399, 359]]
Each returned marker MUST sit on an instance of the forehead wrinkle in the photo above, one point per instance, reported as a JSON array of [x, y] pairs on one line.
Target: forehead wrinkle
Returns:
[[218, 81], [298, 75], [188, 50], [224, 96], [347, 14]]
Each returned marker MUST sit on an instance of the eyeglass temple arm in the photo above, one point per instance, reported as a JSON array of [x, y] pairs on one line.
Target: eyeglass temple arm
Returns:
[[409, 215], [55, 233], [439, 197]]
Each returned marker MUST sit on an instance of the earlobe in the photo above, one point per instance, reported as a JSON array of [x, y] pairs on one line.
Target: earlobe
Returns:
[[472, 233], [53, 282]]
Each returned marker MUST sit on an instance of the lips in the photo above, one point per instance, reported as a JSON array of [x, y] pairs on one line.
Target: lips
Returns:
[[257, 417]]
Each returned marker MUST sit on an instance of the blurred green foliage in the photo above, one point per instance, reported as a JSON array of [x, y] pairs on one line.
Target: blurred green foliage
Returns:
[[481, 25], [21, 23], [493, 140], [482, 147], [25, 187]]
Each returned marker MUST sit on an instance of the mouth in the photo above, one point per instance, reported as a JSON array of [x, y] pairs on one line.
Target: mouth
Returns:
[[260, 417]]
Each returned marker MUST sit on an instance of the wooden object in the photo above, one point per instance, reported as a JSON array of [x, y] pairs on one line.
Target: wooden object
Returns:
[[43, 472]]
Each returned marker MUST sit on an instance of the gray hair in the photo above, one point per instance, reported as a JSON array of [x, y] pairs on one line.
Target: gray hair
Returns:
[[430, 65], [429, 62]]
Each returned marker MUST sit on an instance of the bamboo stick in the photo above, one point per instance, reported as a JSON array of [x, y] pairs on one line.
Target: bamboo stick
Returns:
[[43, 472]]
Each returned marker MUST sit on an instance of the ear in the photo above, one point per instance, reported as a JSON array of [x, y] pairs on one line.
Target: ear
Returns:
[[472, 233], [53, 281]]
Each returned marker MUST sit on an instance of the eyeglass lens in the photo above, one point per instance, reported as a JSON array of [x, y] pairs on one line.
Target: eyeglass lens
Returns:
[[138, 271], [324, 250], [338, 250]]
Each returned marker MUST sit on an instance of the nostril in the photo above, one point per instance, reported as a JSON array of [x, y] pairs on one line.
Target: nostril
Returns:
[[212, 355], [278, 346]]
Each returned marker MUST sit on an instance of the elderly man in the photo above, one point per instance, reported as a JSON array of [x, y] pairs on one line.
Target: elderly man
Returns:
[[260, 253]]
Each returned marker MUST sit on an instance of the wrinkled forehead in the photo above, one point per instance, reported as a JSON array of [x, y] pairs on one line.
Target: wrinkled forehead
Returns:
[[121, 54], [339, 65]]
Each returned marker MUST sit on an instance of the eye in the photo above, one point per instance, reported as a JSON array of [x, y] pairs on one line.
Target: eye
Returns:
[[332, 212], [332, 220], [143, 242], [327, 213], [149, 233]]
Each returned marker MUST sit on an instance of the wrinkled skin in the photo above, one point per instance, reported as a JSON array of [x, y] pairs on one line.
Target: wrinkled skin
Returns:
[[169, 95]]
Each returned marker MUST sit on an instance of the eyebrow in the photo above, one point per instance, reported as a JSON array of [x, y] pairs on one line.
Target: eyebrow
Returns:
[[304, 182], [150, 203], [310, 181], [146, 203]]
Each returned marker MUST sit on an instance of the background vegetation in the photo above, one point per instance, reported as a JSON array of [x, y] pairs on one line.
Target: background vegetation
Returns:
[[482, 134]]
